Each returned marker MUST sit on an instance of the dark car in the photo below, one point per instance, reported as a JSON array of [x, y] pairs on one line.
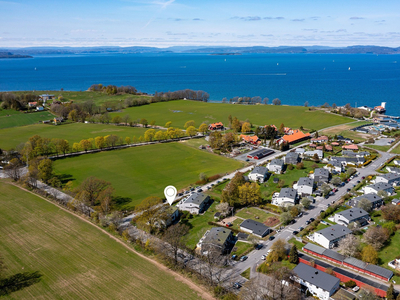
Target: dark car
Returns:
[[258, 246], [271, 238], [308, 222], [243, 258], [292, 222], [237, 285], [295, 232], [312, 219], [300, 229], [327, 196], [199, 190], [234, 256], [348, 190], [322, 211], [363, 177]]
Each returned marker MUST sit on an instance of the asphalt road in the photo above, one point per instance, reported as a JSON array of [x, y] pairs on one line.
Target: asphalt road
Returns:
[[254, 257]]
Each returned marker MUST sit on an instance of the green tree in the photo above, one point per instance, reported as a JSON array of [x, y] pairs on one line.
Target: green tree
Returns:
[[116, 120], [189, 123], [191, 131], [76, 147], [144, 122], [111, 140], [159, 135], [73, 115], [149, 135], [278, 251], [152, 123], [236, 125], [90, 190], [286, 217], [85, 145], [390, 292], [230, 193], [45, 169], [369, 255], [306, 203], [203, 128], [246, 127], [168, 124], [128, 140], [249, 194], [294, 255]]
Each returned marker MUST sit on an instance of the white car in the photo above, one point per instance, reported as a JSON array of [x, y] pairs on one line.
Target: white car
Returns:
[[264, 257]]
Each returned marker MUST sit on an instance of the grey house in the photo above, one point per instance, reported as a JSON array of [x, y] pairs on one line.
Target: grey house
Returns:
[[287, 196], [255, 228], [292, 158], [390, 178], [376, 201], [351, 215], [276, 165], [195, 203], [259, 174], [305, 186], [330, 236], [321, 176], [377, 187], [216, 238]]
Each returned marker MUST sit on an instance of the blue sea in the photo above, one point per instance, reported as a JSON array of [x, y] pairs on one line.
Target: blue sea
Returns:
[[293, 78]]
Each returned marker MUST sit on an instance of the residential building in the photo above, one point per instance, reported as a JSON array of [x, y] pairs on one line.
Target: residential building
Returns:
[[349, 160], [219, 238], [352, 215], [321, 175], [300, 151], [292, 158], [45, 97], [196, 203], [351, 153], [320, 139], [287, 196], [394, 170], [350, 147], [377, 187], [32, 104], [259, 174], [216, 126], [375, 200], [396, 162], [390, 178], [396, 202], [40, 108], [255, 228], [311, 154], [318, 283], [334, 166], [166, 216], [329, 237], [345, 140], [251, 139], [305, 186], [276, 165], [260, 153], [295, 137]]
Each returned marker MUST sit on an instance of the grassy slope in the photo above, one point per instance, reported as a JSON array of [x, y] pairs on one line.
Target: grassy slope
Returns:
[[73, 132], [77, 261], [145, 171], [20, 119], [181, 111]]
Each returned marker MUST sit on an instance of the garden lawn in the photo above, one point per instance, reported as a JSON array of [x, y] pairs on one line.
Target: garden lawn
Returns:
[[242, 247], [253, 213], [391, 251], [12, 118], [72, 132], [380, 148], [76, 260], [181, 111], [396, 150], [144, 171]]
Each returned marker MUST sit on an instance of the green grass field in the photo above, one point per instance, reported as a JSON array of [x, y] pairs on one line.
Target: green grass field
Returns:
[[254, 214], [396, 150], [77, 260], [181, 111], [380, 148], [73, 132], [146, 170], [12, 118]]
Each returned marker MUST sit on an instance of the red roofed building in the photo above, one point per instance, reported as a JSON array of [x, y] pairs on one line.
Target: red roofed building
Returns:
[[296, 137], [350, 147], [320, 139], [380, 109], [252, 139], [320, 148], [216, 126], [328, 148], [335, 144], [32, 104]]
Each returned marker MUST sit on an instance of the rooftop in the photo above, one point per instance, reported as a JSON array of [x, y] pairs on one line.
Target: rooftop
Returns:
[[217, 236], [370, 197], [259, 170], [316, 277], [297, 135], [321, 172], [256, 227], [353, 213], [288, 193], [380, 186], [197, 198], [334, 232], [305, 181], [277, 161]]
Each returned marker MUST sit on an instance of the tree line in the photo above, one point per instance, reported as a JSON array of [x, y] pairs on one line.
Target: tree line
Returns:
[[251, 100]]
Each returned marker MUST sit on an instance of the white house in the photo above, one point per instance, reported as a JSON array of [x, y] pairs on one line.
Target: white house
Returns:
[[259, 174], [394, 170], [287, 196], [396, 162], [276, 166], [305, 186], [195, 203], [380, 186], [318, 283], [311, 154], [390, 178], [329, 237], [352, 215]]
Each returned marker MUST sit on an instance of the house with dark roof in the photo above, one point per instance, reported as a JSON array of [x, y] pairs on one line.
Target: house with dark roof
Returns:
[[394, 170], [45, 97], [259, 174], [287, 196], [380, 186], [318, 283], [351, 153], [305, 186], [390, 178], [276, 165], [349, 160], [165, 216], [292, 158], [321, 176], [351, 215], [218, 238], [260, 153], [255, 228], [329, 237], [195, 203], [335, 167], [375, 200]]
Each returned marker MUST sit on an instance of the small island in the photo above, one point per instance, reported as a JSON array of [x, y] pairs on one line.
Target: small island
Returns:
[[11, 55]]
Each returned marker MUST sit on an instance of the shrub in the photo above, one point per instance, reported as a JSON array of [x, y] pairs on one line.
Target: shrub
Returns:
[[350, 284]]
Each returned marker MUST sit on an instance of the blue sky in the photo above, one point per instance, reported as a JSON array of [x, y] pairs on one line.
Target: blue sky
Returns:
[[163, 23]]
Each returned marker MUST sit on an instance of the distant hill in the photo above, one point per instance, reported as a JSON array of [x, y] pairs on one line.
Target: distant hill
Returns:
[[26, 52], [10, 55]]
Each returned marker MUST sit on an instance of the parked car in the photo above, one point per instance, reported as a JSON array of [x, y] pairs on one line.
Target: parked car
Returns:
[[308, 222], [363, 177], [295, 232], [258, 246], [237, 285], [243, 258], [229, 224], [356, 288], [300, 229], [348, 190], [312, 219], [234, 257], [264, 257], [300, 214], [271, 238], [321, 211]]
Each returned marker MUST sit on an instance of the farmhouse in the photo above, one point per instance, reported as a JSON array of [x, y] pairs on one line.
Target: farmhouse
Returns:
[[287, 196], [259, 174], [380, 186], [255, 228], [352, 215], [292, 158], [276, 166], [216, 126], [389, 178], [260, 153], [318, 283], [305, 186], [375, 200], [216, 238], [329, 237], [295, 137], [321, 175], [320, 139], [251, 139], [195, 203]]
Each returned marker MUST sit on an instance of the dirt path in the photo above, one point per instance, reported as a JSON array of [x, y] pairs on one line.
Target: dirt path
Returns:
[[201, 292]]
